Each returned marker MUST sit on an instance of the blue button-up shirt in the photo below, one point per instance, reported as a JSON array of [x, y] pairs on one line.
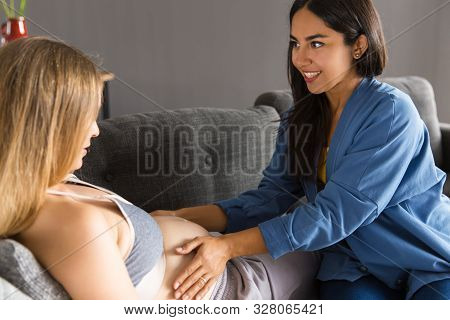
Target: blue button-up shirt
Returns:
[[381, 212]]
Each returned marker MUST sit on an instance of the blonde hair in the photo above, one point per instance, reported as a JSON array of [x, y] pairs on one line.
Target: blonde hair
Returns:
[[49, 95]]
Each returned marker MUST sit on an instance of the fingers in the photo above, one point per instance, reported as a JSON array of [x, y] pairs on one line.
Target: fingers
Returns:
[[199, 288], [193, 284], [202, 293], [195, 281], [189, 246], [191, 268], [194, 291]]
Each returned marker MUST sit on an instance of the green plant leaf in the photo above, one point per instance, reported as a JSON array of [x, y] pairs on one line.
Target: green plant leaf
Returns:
[[23, 5], [12, 8], [5, 7]]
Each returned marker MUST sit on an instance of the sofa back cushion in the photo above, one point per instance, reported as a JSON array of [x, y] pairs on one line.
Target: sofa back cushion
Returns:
[[9, 292], [168, 160], [419, 89], [20, 268]]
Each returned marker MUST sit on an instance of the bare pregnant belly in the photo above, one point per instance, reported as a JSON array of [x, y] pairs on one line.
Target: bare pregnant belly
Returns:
[[176, 231]]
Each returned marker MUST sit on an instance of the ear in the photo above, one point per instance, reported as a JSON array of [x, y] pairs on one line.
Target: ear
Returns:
[[360, 47]]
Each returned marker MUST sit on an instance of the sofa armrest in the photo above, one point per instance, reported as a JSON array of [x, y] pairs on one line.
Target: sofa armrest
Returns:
[[445, 131]]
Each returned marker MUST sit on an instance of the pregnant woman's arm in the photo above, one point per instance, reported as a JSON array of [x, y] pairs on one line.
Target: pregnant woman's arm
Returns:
[[77, 245], [176, 231]]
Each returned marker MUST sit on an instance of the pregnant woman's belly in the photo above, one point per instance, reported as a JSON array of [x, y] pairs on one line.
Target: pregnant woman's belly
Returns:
[[176, 231]]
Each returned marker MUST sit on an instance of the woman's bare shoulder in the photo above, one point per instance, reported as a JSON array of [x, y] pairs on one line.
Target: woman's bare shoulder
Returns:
[[65, 222], [75, 243], [61, 210]]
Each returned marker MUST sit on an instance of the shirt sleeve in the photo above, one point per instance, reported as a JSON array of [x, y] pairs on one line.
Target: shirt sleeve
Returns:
[[277, 191], [361, 185]]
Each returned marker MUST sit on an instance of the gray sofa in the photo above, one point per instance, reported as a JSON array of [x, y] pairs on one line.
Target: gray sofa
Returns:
[[188, 157]]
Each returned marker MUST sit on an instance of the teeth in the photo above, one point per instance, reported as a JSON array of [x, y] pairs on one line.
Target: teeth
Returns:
[[310, 75]]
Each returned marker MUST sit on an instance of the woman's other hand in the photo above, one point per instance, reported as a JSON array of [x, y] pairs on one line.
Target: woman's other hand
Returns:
[[162, 213], [210, 217], [209, 262]]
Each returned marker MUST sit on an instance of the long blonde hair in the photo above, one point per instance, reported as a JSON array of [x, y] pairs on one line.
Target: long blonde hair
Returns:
[[49, 95]]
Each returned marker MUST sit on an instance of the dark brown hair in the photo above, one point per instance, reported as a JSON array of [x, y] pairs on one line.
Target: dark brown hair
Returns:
[[352, 18]]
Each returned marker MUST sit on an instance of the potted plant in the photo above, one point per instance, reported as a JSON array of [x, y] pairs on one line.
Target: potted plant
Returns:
[[15, 26]]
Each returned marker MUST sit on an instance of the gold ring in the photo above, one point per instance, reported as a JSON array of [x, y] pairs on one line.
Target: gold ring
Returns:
[[203, 280]]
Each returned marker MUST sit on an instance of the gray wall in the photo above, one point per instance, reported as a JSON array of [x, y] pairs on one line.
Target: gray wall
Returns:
[[424, 50], [216, 53]]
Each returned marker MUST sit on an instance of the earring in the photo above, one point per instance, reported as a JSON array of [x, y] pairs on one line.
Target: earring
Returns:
[[357, 55]]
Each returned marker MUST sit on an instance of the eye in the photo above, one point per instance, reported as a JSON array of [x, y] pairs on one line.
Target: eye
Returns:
[[316, 44], [294, 44]]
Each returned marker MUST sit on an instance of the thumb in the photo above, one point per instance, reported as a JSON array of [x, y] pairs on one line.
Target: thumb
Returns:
[[189, 246]]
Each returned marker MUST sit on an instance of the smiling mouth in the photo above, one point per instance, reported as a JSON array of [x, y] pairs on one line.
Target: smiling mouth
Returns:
[[311, 76]]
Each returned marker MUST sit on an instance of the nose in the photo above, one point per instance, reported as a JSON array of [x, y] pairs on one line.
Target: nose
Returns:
[[301, 58], [95, 131]]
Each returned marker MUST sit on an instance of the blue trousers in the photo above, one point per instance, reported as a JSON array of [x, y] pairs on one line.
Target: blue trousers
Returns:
[[370, 288]]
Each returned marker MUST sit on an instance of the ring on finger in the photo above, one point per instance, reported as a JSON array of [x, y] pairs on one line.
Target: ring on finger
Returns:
[[203, 280]]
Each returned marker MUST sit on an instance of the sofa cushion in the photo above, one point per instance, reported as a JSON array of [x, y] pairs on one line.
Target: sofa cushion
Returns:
[[181, 158], [419, 89], [281, 100], [19, 267], [9, 292]]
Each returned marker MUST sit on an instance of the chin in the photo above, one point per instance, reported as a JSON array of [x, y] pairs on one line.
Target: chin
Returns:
[[322, 86], [77, 165], [315, 90]]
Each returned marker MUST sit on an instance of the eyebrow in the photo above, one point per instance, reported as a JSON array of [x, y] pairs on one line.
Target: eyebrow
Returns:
[[309, 38]]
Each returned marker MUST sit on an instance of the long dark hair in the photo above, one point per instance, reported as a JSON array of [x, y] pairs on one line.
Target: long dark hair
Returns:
[[310, 120]]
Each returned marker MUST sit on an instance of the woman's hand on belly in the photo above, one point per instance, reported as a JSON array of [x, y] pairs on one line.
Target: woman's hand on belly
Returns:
[[199, 276], [177, 231]]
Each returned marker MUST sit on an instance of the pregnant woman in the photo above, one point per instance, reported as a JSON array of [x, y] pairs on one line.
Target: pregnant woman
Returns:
[[92, 241]]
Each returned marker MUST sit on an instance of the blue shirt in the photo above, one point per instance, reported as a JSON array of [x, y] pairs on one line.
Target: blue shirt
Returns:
[[382, 210]]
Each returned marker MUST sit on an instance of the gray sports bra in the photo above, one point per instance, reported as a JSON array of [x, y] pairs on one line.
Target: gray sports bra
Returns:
[[147, 250]]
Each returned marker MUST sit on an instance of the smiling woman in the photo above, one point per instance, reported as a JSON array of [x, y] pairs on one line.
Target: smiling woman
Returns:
[[359, 152], [329, 52]]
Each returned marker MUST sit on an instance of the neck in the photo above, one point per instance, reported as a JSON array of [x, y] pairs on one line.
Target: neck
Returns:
[[339, 95], [61, 185]]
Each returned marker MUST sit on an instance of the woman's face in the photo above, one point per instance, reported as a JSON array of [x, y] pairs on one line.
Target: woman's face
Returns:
[[319, 52], [92, 133]]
